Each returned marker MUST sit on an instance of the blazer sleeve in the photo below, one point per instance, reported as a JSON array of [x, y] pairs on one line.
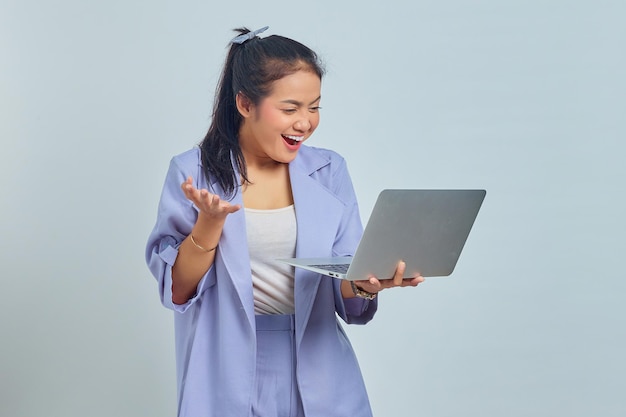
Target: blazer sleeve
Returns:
[[176, 217], [351, 310]]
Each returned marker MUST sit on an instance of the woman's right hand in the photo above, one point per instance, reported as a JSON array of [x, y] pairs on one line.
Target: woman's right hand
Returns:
[[194, 256], [209, 204]]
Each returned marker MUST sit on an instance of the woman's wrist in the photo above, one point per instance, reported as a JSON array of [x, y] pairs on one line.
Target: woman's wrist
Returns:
[[199, 246], [361, 293], [206, 233]]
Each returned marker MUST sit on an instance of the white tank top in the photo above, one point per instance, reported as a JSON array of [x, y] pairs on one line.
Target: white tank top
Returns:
[[272, 235]]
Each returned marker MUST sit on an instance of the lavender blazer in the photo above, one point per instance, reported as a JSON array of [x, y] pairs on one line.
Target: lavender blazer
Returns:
[[215, 330]]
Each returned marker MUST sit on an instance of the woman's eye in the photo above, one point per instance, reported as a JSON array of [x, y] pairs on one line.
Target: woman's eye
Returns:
[[314, 109], [289, 111]]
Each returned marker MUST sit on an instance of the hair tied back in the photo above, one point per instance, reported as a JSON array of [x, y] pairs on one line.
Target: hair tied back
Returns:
[[247, 36]]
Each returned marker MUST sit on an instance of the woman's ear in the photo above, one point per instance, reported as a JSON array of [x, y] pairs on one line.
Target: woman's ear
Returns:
[[244, 105]]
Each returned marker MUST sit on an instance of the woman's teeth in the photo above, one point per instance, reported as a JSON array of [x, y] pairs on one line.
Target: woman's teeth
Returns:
[[292, 140]]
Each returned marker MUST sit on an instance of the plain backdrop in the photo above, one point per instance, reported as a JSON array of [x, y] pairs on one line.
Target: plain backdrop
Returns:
[[525, 98]]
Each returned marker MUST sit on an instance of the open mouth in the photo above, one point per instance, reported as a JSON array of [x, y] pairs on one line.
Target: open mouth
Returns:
[[292, 140]]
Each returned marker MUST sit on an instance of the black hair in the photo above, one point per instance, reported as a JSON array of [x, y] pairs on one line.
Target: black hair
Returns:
[[250, 69]]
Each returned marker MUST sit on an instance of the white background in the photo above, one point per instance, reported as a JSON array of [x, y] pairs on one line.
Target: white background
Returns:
[[526, 99]]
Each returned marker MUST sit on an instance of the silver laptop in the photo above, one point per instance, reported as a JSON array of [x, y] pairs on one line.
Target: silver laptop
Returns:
[[427, 229]]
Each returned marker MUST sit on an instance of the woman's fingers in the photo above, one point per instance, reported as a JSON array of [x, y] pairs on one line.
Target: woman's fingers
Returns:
[[397, 278], [204, 200], [208, 203]]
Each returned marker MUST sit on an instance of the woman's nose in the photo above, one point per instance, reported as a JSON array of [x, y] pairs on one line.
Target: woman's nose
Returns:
[[303, 124]]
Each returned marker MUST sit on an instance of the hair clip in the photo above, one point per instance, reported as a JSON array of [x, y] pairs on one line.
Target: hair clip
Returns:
[[247, 36]]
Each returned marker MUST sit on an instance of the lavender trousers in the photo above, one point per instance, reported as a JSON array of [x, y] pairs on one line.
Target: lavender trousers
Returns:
[[276, 387]]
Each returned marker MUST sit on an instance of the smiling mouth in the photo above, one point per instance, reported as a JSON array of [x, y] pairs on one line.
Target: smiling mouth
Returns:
[[292, 140]]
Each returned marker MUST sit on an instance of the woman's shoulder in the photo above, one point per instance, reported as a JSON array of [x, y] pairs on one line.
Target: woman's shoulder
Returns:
[[188, 162], [190, 157]]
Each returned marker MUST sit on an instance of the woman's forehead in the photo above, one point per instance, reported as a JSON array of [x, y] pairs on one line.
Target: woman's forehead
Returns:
[[299, 86]]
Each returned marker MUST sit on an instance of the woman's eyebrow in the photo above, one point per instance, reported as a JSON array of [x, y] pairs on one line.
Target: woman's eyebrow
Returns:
[[297, 103]]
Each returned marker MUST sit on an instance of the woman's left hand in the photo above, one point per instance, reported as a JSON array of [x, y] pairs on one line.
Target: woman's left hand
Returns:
[[375, 285]]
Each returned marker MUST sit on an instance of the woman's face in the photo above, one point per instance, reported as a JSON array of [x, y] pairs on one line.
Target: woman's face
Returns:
[[273, 130]]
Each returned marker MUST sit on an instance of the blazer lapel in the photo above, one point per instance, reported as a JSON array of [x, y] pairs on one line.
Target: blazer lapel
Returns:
[[234, 253], [318, 215]]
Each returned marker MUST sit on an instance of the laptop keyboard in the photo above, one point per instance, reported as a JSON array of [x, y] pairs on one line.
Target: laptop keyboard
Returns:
[[341, 268]]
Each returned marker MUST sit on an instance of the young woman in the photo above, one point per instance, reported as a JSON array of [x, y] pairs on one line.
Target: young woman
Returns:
[[255, 337]]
